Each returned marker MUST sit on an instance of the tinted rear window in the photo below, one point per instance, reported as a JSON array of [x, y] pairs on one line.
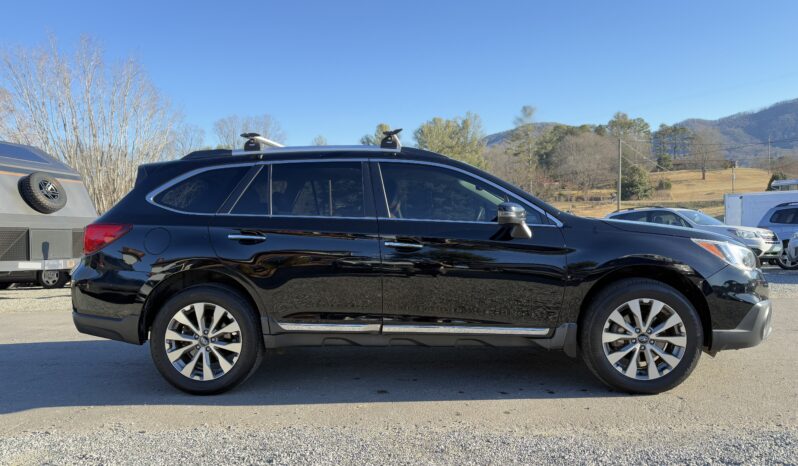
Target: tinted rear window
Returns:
[[203, 192], [789, 216], [323, 189]]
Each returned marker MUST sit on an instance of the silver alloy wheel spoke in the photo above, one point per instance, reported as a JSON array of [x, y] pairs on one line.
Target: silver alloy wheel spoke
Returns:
[[174, 355], [196, 348], [229, 328], [644, 339]]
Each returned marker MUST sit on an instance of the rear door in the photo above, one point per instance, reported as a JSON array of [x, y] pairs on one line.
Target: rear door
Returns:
[[305, 234], [449, 265]]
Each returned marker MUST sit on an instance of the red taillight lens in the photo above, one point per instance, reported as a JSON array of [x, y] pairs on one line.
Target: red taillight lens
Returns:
[[99, 235]]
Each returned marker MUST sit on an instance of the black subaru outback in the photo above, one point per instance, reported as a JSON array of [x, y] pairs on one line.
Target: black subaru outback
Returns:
[[223, 255]]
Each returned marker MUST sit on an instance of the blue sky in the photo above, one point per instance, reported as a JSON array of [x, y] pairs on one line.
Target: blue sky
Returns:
[[337, 68]]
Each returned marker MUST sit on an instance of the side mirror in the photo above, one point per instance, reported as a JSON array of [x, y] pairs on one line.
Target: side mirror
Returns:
[[510, 213]]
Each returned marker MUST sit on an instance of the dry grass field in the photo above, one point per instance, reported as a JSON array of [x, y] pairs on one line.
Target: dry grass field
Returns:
[[687, 190]]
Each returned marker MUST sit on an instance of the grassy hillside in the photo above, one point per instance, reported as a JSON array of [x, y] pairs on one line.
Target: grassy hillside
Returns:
[[688, 190]]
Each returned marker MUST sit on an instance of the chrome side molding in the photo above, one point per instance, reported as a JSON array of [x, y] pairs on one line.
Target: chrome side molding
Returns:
[[354, 327], [329, 328], [465, 330]]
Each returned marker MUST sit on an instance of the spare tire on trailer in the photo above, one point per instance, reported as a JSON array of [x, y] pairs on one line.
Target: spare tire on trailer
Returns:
[[43, 192]]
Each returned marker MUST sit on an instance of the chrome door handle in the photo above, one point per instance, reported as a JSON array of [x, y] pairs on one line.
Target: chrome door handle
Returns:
[[396, 244], [257, 238]]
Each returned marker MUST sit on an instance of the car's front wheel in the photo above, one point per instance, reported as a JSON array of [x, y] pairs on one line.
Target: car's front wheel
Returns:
[[641, 336], [206, 340]]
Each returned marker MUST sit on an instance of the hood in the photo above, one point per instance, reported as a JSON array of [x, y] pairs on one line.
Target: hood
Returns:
[[724, 229], [667, 230]]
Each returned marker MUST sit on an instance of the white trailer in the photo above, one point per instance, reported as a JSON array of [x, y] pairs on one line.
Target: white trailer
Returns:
[[747, 209]]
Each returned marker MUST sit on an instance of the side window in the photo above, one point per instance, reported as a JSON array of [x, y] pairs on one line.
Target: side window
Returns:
[[255, 200], [789, 216], [633, 216], [424, 192], [202, 193], [323, 189], [667, 218]]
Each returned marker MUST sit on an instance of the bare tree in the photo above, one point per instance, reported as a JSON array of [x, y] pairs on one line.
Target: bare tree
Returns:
[[586, 160], [101, 120], [228, 130], [706, 149], [188, 139], [319, 141]]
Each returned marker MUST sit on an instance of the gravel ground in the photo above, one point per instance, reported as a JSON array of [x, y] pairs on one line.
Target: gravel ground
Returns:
[[70, 398]]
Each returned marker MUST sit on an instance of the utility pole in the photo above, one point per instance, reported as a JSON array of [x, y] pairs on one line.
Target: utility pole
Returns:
[[620, 159], [734, 174], [770, 164]]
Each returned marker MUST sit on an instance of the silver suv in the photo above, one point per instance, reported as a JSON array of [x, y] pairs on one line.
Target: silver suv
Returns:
[[762, 241], [783, 221]]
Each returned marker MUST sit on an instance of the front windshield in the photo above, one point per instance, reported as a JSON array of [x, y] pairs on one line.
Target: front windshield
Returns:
[[700, 218]]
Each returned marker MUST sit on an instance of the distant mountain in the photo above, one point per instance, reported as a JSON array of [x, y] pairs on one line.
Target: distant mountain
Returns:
[[502, 137], [745, 134]]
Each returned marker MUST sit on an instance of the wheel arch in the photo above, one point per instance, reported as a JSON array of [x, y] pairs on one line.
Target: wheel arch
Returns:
[[181, 280], [663, 274]]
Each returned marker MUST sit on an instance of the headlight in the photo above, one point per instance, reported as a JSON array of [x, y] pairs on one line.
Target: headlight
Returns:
[[738, 256], [745, 234]]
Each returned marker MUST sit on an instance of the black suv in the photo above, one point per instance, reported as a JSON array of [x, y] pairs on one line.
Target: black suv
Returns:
[[223, 255]]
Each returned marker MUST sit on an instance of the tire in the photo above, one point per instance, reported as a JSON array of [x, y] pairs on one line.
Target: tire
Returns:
[[248, 338], [43, 192], [785, 263], [667, 374], [50, 279], [5, 285]]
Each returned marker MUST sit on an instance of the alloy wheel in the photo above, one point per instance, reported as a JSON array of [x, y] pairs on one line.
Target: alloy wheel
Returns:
[[203, 341], [50, 277], [644, 339]]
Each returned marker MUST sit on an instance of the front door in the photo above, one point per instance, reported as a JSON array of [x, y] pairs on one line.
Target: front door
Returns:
[[448, 265], [305, 235]]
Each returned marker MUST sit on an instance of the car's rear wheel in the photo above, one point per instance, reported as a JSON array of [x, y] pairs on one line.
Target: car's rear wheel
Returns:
[[785, 262], [52, 278], [206, 340], [641, 336]]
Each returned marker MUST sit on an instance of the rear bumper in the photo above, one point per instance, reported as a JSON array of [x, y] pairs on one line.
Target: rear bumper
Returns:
[[36, 265], [751, 331], [122, 329]]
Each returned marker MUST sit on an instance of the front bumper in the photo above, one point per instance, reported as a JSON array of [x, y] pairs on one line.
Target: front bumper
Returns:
[[751, 331], [773, 251]]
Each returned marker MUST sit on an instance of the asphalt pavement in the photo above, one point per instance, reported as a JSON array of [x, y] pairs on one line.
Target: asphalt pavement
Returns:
[[71, 398]]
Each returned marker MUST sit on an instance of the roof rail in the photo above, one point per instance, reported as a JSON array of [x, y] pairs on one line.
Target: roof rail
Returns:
[[787, 203]]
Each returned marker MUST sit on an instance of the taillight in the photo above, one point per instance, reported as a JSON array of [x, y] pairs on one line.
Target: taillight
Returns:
[[99, 235]]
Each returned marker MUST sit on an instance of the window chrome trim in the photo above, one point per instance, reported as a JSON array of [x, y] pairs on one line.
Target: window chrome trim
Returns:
[[155, 192], [329, 328], [542, 212], [151, 196], [465, 330]]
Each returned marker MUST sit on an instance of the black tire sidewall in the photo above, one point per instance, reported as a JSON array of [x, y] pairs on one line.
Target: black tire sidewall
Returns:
[[615, 296], [252, 340], [30, 192]]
